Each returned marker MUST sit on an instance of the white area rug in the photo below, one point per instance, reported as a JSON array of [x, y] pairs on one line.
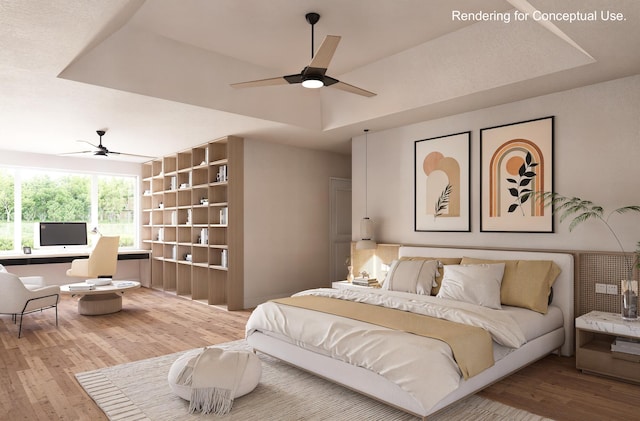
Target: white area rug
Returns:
[[140, 391]]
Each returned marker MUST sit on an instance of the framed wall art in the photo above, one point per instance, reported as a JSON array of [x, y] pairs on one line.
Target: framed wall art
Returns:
[[516, 163], [442, 179]]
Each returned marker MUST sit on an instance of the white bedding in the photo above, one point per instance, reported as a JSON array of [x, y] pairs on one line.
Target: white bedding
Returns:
[[422, 367]]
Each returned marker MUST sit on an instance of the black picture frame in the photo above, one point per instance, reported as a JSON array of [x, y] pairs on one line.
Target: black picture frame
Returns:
[[442, 183]]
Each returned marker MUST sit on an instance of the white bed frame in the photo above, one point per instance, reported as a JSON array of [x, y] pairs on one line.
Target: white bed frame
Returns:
[[377, 387]]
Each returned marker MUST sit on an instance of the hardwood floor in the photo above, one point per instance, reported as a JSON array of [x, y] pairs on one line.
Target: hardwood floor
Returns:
[[37, 371]]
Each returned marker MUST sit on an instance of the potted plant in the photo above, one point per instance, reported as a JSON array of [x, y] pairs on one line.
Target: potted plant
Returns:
[[583, 210]]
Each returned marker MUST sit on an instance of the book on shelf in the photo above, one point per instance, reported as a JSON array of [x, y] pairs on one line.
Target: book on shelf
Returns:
[[365, 282], [626, 346]]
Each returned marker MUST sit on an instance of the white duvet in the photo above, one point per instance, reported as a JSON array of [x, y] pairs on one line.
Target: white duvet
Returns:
[[423, 367]]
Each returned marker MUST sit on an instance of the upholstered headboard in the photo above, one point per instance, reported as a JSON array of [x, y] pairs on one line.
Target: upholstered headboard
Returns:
[[562, 288]]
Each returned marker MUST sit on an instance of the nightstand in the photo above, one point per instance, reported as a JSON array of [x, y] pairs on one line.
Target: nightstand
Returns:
[[348, 285], [595, 332]]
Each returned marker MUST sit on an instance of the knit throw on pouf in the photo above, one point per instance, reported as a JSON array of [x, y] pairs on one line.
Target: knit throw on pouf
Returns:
[[214, 376]]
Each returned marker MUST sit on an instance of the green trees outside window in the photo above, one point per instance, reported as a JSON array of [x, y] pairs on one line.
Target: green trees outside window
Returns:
[[105, 202]]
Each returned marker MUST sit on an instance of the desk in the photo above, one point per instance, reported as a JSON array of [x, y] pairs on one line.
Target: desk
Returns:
[[104, 299], [43, 258]]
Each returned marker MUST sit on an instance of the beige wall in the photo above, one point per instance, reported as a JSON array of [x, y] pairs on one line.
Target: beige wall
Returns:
[[286, 219], [597, 157]]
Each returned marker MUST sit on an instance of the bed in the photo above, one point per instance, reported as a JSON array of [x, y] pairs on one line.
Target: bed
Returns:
[[418, 374]]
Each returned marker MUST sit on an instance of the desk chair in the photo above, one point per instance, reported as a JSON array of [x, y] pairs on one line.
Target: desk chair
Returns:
[[102, 262]]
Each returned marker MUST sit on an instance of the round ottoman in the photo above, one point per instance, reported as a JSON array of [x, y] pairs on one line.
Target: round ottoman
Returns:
[[249, 381]]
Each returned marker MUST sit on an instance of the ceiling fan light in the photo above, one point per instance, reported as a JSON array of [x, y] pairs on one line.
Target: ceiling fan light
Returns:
[[312, 82]]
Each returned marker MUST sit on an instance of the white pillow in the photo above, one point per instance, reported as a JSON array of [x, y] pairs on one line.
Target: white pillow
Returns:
[[475, 284], [415, 276]]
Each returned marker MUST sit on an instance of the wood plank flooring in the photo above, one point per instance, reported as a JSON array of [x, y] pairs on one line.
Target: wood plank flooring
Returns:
[[37, 371]]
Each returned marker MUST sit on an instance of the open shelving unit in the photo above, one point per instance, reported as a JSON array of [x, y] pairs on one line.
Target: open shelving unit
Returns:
[[192, 222]]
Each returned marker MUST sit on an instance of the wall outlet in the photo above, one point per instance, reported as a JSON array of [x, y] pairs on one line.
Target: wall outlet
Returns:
[[612, 289], [601, 288]]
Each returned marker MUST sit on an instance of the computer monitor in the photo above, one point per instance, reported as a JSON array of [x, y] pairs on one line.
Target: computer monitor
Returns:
[[61, 234]]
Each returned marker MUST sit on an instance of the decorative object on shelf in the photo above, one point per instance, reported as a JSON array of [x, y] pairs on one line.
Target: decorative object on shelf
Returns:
[[204, 236], [222, 173], [366, 225], [349, 268], [629, 291], [224, 258], [582, 210], [442, 179], [516, 160], [223, 215]]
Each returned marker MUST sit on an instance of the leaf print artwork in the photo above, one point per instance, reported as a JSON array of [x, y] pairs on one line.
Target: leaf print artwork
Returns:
[[520, 189], [443, 201]]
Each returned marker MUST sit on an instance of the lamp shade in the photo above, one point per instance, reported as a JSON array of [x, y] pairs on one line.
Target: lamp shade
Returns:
[[366, 235]]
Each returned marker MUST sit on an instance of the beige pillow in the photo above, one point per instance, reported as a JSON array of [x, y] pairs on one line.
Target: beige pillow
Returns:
[[526, 283], [415, 276], [444, 261]]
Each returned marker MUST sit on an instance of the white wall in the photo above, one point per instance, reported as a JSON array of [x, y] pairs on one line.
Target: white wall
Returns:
[[597, 157], [286, 218]]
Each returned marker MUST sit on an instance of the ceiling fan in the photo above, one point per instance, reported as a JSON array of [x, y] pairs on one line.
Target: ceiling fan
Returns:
[[101, 150], [313, 75]]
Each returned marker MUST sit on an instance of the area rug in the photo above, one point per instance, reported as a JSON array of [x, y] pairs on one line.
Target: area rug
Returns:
[[139, 391]]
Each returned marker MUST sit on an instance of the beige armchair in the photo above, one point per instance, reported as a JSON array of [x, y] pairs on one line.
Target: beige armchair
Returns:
[[16, 299], [31, 282], [102, 261]]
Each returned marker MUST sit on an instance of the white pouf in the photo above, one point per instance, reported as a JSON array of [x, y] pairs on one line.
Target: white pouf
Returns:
[[249, 381]]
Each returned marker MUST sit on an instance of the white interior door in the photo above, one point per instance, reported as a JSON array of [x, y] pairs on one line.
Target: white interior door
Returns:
[[340, 227]]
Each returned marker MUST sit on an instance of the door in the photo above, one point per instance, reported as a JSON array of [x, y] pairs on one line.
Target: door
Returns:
[[340, 227]]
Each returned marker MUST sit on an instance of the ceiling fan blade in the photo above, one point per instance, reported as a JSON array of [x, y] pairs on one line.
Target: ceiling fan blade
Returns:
[[130, 154], [88, 143], [352, 89], [75, 153], [323, 56], [262, 82]]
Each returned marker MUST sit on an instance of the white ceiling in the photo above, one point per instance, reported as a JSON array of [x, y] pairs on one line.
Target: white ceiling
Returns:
[[156, 74]]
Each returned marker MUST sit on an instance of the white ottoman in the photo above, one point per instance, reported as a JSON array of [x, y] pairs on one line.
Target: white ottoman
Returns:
[[249, 381]]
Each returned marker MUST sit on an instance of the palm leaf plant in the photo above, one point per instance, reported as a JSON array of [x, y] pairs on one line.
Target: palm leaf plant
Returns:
[[580, 210]]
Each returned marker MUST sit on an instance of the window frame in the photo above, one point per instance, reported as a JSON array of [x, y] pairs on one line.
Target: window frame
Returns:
[[18, 179]]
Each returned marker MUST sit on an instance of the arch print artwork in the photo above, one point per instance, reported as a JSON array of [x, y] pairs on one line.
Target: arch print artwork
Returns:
[[516, 164], [442, 183]]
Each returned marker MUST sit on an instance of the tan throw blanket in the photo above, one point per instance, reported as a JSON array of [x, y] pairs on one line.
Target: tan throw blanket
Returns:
[[471, 346], [214, 376]]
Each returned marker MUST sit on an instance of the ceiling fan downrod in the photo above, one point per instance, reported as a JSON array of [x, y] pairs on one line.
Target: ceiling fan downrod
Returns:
[[312, 19]]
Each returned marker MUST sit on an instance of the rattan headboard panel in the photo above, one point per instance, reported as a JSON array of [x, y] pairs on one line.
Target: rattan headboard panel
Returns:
[[602, 268]]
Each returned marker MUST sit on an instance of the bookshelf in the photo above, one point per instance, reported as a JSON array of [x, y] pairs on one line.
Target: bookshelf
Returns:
[[192, 205]]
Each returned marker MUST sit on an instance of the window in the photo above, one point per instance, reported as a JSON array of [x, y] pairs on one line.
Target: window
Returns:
[[106, 203]]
